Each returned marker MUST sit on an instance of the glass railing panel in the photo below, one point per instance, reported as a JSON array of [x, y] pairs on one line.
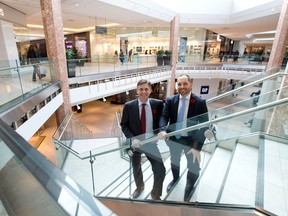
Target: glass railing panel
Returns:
[[258, 158], [103, 64], [104, 171], [17, 82], [245, 103], [60, 136], [11, 171], [248, 86], [108, 156], [44, 184], [247, 96], [70, 130], [197, 57]]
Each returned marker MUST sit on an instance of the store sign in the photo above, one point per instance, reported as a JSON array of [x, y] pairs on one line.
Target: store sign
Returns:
[[1, 12], [204, 90], [12, 15], [101, 30]]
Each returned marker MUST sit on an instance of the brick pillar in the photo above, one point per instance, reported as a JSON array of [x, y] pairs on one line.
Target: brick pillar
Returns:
[[280, 41], [280, 115], [174, 37], [54, 36]]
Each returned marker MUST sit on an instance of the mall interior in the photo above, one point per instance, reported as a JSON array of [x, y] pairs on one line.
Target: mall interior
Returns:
[[62, 148]]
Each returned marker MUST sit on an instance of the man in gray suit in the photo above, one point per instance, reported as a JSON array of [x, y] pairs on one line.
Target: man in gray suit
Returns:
[[141, 116]]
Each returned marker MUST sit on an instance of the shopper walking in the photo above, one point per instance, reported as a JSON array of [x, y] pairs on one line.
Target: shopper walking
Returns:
[[33, 58], [121, 56]]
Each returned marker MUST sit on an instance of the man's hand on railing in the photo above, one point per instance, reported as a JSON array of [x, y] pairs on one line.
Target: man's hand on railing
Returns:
[[136, 143], [196, 155], [130, 152], [162, 135]]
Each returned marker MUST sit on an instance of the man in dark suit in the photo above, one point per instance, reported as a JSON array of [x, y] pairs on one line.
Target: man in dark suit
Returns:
[[194, 111], [132, 126]]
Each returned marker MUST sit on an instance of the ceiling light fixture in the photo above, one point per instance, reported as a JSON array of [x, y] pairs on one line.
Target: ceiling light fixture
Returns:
[[263, 39], [34, 26]]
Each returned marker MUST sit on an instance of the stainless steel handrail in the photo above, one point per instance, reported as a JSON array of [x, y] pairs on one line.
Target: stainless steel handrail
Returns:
[[201, 125], [245, 86]]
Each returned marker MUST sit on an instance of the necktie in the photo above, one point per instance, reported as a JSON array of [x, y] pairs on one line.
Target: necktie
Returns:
[[180, 117], [143, 119]]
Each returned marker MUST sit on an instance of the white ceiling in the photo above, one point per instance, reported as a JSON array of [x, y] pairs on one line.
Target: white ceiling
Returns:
[[78, 15]]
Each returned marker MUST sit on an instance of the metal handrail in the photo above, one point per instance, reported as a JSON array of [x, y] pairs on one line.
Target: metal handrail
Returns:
[[194, 127], [219, 119], [245, 86]]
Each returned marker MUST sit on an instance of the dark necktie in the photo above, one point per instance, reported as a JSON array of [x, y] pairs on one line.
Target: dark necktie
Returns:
[[143, 119]]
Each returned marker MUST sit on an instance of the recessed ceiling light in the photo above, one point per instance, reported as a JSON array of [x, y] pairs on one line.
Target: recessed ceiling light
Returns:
[[77, 5]]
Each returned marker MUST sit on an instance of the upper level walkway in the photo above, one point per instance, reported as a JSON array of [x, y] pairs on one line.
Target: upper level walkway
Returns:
[[16, 83]]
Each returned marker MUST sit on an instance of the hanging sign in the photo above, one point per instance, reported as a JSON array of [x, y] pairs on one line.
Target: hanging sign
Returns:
[[101, 30]]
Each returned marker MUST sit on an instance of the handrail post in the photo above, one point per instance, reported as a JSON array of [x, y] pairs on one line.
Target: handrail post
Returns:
[[18, 72], [92, 172]]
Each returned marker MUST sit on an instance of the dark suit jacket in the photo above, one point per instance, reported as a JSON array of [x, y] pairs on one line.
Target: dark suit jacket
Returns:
[[197, 113], [130, 122]]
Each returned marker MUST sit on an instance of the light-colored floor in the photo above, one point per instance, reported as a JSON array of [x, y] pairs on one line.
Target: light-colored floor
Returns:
[[97, 115]]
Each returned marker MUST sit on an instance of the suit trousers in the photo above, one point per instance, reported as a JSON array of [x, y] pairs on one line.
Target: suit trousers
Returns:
[[153, 155], [177, 147]]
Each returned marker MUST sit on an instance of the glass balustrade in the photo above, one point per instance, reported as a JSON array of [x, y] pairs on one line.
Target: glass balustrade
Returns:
[[248, 94], [17, 85], [17, 81], [232, 158], [31, 185], [103, 165]]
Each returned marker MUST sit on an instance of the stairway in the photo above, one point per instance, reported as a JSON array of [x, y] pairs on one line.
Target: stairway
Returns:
[[250, 171]]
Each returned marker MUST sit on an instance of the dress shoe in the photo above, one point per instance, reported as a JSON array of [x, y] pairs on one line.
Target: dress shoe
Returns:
[[170, 185], [187, 194], [155, 197], [137, 192]]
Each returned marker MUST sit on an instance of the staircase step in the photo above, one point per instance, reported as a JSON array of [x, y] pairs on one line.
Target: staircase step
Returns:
[[276, 177], [210, 183], [240, 185]]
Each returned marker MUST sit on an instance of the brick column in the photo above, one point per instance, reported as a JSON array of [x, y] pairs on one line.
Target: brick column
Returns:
[[54, 36], [280, 41], [174, 38], [280, 116]]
